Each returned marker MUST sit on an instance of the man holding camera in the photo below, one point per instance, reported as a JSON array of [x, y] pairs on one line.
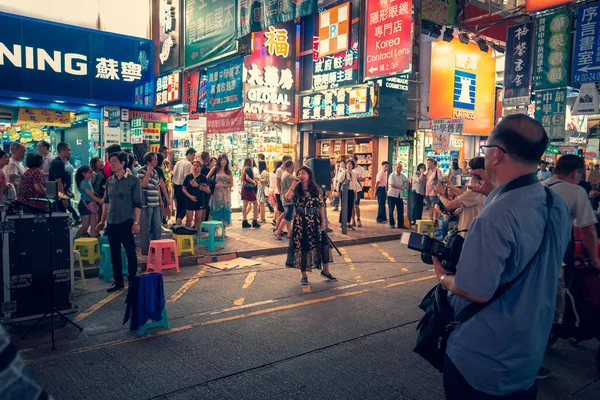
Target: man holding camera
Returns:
[[520, 237]]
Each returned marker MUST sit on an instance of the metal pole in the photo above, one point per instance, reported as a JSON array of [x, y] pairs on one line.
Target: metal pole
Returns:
[[345, 207]]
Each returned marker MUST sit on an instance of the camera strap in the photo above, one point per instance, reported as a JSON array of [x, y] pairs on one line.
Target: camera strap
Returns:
[[473, 308]]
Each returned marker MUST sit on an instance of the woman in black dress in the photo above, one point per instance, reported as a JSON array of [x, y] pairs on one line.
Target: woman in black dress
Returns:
[[309, 247], [195, 187]]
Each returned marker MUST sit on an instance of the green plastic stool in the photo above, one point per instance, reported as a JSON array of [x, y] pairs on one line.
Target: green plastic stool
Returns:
[[212, 241], [106, 271], [103, 240]]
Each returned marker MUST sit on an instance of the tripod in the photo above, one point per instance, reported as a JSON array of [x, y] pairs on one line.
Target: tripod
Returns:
[[51, 308]]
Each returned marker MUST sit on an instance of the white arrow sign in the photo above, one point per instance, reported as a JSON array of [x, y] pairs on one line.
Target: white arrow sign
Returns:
[[588, 68], [372, 69]]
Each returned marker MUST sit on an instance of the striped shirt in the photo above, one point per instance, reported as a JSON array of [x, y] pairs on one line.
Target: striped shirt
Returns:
[[151, 191]]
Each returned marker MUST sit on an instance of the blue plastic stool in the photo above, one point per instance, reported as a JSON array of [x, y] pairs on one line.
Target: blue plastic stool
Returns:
[[106, 270], [212, 241], [163, 323], [103, 240], [140, 301]]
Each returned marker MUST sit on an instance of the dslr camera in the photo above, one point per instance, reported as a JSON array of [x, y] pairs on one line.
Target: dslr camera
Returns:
[[447, 251]]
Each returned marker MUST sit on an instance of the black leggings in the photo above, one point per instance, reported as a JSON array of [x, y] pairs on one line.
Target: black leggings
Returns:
[[181, 199], [350, 205]]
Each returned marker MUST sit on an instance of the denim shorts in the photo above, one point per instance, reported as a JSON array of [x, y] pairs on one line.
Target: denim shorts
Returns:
[[289, 212], [431, 200]]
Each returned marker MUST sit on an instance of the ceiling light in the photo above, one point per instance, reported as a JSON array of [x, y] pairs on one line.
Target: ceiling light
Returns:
[[24, 98], [340, 133], [324, 131], [357, 134], [93, 105], [500, 49], [464, 38], [448, 34], [59, 101], [179, 106], [483, 46]]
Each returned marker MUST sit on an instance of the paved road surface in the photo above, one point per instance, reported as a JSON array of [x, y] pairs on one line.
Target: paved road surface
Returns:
[[255, 333]]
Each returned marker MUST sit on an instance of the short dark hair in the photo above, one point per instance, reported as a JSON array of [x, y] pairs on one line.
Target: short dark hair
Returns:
[[477, 163], [205, 156], [543, 162], [121, 156], [45, 144], [148, 157], [162, 148], [285, 158], [190, 151], [34, 160], [278, 165], [353, 163], [61, 146], [288, 164], [112, 149], [93, 163], [261, 157], [385, 163], [567, 164], [515, 143]]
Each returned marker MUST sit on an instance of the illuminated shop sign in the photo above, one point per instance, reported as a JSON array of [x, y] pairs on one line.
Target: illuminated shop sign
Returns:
[[341, 103], [168, 89]]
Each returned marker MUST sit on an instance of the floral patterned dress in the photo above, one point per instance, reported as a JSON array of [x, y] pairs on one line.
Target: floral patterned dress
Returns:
[[308, 247], [261, 196], [220, 201]]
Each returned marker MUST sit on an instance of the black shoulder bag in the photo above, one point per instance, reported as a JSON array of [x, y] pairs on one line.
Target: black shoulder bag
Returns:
[[438, 322]]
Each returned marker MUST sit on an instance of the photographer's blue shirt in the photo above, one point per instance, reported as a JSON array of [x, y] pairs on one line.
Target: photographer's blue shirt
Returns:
[[500, 349]]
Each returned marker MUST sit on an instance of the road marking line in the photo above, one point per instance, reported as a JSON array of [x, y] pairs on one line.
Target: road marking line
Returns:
[[239, 301], [249, 280], [98, 305], [306, 289], [357, 284], [358, 279], [425, 278], [217, 321], [260, 303], [186, 286], [387, 255], [347, 259]]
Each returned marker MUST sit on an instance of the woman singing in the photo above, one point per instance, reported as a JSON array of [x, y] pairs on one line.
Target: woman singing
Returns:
[[308, 246]]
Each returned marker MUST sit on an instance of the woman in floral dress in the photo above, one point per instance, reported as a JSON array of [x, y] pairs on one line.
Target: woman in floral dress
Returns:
[[308, 245], [220, 201]]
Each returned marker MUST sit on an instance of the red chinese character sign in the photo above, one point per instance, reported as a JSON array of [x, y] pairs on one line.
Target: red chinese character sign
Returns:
[[269, 75], [388, 44], [225, 121]]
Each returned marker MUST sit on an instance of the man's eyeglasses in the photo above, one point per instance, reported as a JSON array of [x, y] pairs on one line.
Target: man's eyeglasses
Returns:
[[494, 146]]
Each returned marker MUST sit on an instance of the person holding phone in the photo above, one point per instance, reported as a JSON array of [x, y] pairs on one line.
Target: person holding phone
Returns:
[[151, 217], [195, 187], [434, 175]]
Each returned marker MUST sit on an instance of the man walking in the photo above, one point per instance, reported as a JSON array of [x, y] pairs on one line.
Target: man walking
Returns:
[[150, 221], [59, 173], [43, 148], [396, 184], [520, 237], [381, 185], [15, 169], [122, 210], [286, 182], [182, 169]]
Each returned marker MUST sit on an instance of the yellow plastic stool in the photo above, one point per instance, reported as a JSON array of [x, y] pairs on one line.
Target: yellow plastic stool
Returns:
[[88, 248], [77, 258], [185, 244], [422, 224]]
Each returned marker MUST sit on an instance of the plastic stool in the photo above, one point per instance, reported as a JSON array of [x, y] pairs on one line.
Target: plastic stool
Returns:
[[137, 297], [77, 258], [185, 244], [422, 224], [106, 270], [89, 249], [162, 254], [103, 240], [212, 241]]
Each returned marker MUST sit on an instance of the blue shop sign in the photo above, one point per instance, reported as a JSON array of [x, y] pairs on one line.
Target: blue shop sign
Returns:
[[50, 61], [586, 53]]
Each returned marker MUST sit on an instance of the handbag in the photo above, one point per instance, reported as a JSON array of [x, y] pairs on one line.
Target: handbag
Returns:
[[439, 322], [249, 186], [93, 207]]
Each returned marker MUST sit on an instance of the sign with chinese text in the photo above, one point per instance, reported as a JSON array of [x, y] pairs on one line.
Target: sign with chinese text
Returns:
[[592, 149], [137, 130], [50, 61], [269, 75], [112, 116], [151, 130], [552, 47], [210, 30], [225, 121], [256, 16], [193, 97], [168, 89], [125, 114], [518, 65], [537, 5], [586, 55], [464, 78], [335, 70], [340, 103], [388, 44], [588, 100], [334, 30], [451, 126], [224, 86], [125, 132], [441, 12], [169, 35], [144, 95], [38, 116], [550, 109]]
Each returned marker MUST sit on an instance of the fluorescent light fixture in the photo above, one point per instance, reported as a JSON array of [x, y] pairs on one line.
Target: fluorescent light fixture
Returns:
[[178, 106], [24, 98], [324, 131], [93, 105], [340, 133], [357, 134], [59, 101]]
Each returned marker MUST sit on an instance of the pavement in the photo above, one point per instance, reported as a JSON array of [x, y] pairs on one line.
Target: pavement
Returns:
[[256, 333]]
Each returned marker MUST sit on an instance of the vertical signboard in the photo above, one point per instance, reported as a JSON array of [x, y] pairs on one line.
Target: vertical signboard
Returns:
[[168, 89], [334, 30], [269, 75], [388, 41], [518, 65], [193, 88], [550, 109], [136, 130], [586, 55], [224, 86], [553, 44], [210, 30], [169, 35]]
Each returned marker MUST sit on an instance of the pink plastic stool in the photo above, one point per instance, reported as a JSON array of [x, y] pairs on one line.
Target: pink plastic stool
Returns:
[[162, 254]]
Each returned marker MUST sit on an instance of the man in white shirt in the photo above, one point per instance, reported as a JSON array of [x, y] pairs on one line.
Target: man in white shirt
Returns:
[[397, 182], [15, 169], [182, 169], [543, 173], [43, 148], [360, 176]]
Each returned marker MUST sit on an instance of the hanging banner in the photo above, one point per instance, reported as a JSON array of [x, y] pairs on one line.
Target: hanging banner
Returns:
[[450, 126], [441, 12], [550, 111], [518, 65], [553, 44], [194, 82], [168, 89], [334, 30], [269, 75], [388, 38], [588, 100], [169, 35], [210, 30], [225, 121], [341, 103], [136, 130], [224, 86], [586, 55], [38, 116], [256, 16]]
